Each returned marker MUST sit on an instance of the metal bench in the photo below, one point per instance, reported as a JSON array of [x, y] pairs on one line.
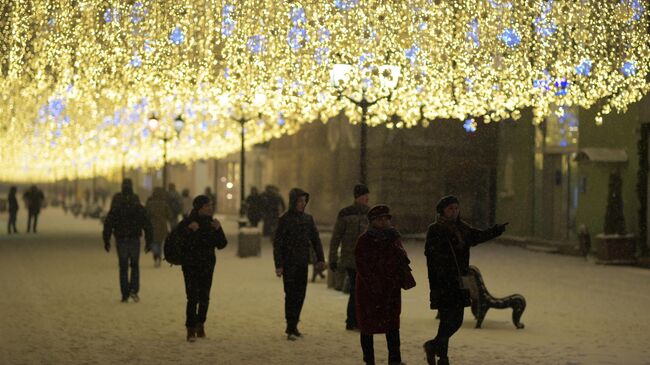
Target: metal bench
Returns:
[[482, 300]]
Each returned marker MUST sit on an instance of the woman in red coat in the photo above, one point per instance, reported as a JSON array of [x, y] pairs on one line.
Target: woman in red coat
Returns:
[[379, 254]]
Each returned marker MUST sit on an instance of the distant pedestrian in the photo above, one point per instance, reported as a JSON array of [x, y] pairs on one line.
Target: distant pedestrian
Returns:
[[379, 255], [447, 249], [202, 235], [34, 200], [351, 222], [187, 203], [213, 198], [159, 214], [295, 236], [127, 219], [175, 203], [273, 205], [13, 210], [254, 207]]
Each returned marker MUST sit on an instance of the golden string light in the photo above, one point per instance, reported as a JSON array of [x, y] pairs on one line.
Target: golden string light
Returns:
[[80, 79]]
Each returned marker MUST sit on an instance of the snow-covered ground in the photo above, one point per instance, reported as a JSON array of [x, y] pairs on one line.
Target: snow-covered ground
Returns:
[[59, 304]]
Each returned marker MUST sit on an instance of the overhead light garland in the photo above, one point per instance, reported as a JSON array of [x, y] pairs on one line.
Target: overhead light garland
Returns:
[[80, 78]]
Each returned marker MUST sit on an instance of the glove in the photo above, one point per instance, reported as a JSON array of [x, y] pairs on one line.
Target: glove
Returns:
[[500, 228], [333, 266], [107, 246]]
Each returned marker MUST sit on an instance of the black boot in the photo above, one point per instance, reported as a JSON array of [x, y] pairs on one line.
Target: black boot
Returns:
[[191, 334], [200, 330], [430, 350], [443, 361]]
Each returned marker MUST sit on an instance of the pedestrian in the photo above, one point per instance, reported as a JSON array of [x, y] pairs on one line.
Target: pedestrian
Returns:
[[209, 194], [187, 203], [296, 234], [202, 235], [159, 214], [175, 203], [351, 222], [379, 256], [13, 210], [447, 249], [254, 207], [126, 220], [34, 199], [273, 205]]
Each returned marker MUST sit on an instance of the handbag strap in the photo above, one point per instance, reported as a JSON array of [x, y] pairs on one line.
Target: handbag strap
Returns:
[[455, 258]]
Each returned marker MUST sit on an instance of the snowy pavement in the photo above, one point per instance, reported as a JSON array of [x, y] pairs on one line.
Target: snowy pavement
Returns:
[[60, 304]]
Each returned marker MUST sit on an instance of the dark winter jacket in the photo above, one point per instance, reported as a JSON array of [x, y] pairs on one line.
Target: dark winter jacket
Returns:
[[442, 237], [34, 199], [200, 244], [296, 234], [13, 202], [351, 222], [159, 214], [127, 218], [379, 255]]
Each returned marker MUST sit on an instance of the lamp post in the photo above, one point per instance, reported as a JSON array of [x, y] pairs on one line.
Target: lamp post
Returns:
[[341, 74], [154, 125], [242, 162]]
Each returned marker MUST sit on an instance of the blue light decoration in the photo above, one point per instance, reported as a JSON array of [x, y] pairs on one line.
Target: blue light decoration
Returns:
[[545, 83], [298, 88], [147, 46], [412, 53], [584, 68], [470, 84], [297, 38], [365, 58], [56, 107], [297, 15], [228, 23], [138, 12], [256, 43], [629, 68], [324, 35], [637, 8], [544, 26], [472, 34], [281, 119], [321, 55], [496, 4], [177, 36], [470, 125], [423, 26], [145, 132], [345, 5], [226, 72], [51, 22], [112, 15], [562, 86], [204, 126], [135, 62], [510, 37]]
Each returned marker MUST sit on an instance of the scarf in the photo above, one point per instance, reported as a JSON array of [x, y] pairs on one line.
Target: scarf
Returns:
[[452, 226], [390, 234]]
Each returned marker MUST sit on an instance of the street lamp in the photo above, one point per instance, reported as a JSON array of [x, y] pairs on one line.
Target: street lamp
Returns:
[[154, 125], [389, 76]]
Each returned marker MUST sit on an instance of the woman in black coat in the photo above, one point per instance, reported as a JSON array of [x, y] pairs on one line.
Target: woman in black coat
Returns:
[[202, 235], [447, 250], [13, 210]]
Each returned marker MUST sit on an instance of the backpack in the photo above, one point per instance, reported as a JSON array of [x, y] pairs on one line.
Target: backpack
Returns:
[[174, 248]]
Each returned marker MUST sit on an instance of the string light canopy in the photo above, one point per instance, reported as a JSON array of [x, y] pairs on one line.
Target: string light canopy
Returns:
[[81, 78]]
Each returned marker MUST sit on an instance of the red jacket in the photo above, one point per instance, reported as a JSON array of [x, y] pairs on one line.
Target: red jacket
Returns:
[[378, 291]]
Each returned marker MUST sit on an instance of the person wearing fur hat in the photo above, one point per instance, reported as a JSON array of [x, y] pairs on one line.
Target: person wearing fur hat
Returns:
[[351, 222], [379, 256], [295, 236], [447, 249], [202, 235]]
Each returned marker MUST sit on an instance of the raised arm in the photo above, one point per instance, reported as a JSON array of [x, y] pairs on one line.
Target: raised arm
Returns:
[[335, 242]]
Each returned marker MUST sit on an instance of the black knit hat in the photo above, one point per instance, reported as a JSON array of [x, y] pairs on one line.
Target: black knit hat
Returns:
[[379, 210], [360, 190], [200, 201], [445, 202]]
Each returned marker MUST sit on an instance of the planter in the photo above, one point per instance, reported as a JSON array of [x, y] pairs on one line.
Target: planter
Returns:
[[249, 242], [616, 249]]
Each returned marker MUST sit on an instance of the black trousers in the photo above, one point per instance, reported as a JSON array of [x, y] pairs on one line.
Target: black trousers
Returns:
[[451, 318], [352, 311], [11, 223], [198, 281], [393, 342], [294, 279], [32, 217]]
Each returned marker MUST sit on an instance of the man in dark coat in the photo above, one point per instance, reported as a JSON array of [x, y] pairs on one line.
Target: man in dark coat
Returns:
[[447, 249], [127, 219], [175, 203], [273, 205], [295, 236], [202, 235], [254, 207], [34, 199], [13, 210], [351, 222], [379, 257]]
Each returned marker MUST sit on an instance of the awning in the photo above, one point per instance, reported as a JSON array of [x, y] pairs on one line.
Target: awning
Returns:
[[594, 154]]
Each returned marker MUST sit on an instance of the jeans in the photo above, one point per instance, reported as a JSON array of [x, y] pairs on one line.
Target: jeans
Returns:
[[198, 281], [294, 279], [11, 223], [32, 217], [450, 321], [128, 254], [393, 342], [351, 320]]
